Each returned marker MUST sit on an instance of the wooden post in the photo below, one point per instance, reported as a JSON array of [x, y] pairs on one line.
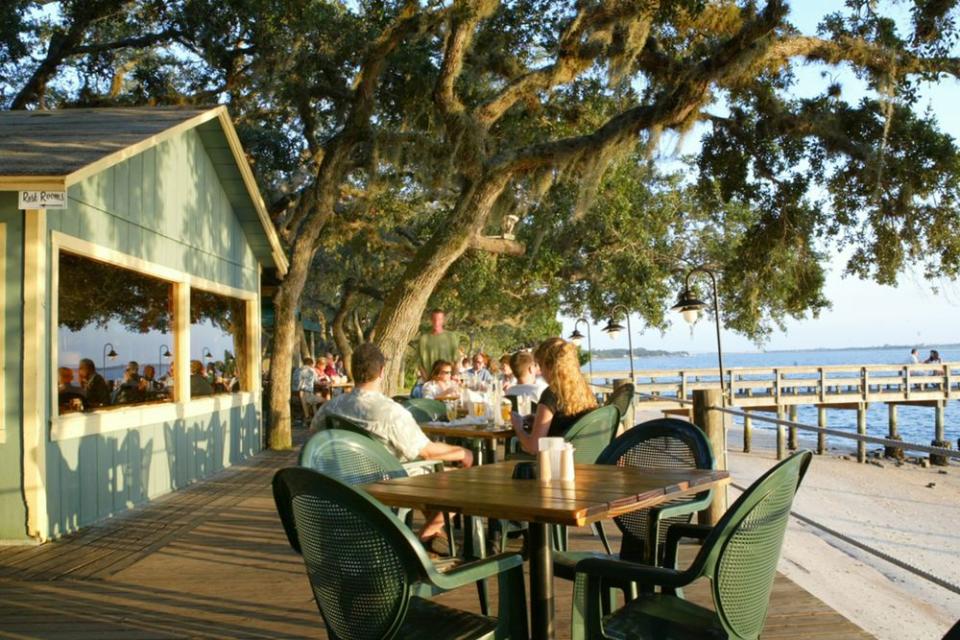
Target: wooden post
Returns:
[[939, 439], [821, 436], [862, 430], [781, 435], [793, 444], [713, 424], [747, 427], [893, 433]]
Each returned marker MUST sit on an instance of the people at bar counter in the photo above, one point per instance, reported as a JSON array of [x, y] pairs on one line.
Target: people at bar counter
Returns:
[[389, 423], [441, 385], [199, 385], [566, 399], [96, 391]]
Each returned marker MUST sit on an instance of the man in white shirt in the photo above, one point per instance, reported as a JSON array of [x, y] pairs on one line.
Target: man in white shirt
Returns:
[[304, 381], [392, 425]]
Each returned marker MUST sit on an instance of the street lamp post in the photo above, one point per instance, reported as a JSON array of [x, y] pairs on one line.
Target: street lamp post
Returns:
[[689, 306], [206, 354], [164, 353], [614, 328], [576, 338], [112, 355]]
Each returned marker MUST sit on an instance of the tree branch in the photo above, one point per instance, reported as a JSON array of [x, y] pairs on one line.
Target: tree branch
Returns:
[[575, 54], [502, 246]]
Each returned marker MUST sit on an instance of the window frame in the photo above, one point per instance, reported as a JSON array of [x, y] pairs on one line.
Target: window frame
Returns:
[[75, 425]]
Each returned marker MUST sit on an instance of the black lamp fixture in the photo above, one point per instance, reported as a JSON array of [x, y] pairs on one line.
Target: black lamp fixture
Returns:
[[613, 330], [576, 338], [164, 353], [690, 307], [206, 354], [112, 354]]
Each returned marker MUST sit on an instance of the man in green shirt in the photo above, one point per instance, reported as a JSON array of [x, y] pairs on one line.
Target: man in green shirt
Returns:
[[437, 345]]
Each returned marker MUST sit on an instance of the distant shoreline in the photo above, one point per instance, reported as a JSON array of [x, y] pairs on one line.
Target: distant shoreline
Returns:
[[684, 354]]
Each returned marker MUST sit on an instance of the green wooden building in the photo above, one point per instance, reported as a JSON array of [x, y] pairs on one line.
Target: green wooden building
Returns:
[[130, 340]]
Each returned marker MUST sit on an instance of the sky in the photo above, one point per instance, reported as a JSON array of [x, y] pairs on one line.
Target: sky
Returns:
[[863, 313]]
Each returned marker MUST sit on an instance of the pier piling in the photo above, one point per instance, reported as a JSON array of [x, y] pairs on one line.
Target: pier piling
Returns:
[[821, 436], [713, 423]]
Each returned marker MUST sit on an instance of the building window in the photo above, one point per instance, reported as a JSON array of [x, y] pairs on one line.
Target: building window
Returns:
[[114, 336], [218, 344]]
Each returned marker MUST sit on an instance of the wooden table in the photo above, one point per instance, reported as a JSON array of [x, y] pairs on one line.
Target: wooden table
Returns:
[[488, 433], [599, 492]]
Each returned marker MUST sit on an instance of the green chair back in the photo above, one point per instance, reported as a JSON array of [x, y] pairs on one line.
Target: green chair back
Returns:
[[621, 398], [331, 421], [360, 559], [664, 444], [349, 456], [591, 434], [426, 409], [741, 553]]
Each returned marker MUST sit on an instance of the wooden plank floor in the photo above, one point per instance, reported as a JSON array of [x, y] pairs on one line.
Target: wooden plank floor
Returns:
[[211, 561]]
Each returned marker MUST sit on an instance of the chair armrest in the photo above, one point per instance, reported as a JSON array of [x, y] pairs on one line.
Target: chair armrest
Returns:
[[678, 531], [682, 508], [621, 571], [473, 571]]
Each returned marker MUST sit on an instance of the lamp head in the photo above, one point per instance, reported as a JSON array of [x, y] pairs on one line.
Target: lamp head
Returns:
[[613, 329], [576, 337], [689, 306], [112, 354], [166, 353]]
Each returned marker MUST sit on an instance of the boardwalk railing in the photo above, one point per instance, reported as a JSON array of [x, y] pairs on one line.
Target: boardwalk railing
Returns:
[[793, 385]]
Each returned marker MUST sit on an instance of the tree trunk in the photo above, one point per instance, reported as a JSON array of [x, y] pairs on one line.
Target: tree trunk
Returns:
[[339, 333], [406, 303]]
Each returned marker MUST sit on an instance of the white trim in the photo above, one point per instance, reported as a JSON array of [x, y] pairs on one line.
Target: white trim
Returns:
[[77, 425], [35, 369], [3, 331]]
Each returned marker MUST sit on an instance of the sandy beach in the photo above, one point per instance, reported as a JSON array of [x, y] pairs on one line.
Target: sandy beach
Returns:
[[892, 509]]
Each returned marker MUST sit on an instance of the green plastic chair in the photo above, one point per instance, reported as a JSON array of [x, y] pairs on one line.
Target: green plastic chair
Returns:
[[664, 444], [621, 398], [372, 587], [358, 459], [412, 467], [739, 556], [426, 409]]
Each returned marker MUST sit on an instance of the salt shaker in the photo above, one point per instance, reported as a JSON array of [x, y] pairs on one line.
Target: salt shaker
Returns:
[[544, 473], [567, 472]]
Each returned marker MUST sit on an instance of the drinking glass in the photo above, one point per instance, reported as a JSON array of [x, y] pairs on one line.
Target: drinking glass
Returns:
[[451, 410]]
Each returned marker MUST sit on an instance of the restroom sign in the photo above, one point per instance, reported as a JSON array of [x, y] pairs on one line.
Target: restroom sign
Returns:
[[43, 200]]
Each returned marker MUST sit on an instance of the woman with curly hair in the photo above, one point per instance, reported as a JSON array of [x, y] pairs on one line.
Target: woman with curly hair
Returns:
[[567, 398]]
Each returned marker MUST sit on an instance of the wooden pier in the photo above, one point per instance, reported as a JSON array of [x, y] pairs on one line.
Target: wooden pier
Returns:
[[212, 561], [781, 390]]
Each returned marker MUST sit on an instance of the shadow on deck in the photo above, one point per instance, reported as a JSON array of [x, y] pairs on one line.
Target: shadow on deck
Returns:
[[212, 561]]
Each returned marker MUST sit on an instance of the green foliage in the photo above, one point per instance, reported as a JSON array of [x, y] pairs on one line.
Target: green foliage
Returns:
[[779, 184]]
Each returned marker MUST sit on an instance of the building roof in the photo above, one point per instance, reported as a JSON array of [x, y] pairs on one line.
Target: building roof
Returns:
[[51, 150]]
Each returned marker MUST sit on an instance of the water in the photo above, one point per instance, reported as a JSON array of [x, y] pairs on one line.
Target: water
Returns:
[[916, 424]]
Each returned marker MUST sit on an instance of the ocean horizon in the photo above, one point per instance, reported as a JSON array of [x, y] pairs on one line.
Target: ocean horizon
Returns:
[[916, 424]]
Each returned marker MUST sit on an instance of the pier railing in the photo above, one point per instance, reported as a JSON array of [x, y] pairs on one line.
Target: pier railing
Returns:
[[794, 385]]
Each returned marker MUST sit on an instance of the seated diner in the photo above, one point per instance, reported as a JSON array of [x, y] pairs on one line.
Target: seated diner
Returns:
[[566, 399], [441, 385], [389, 423]]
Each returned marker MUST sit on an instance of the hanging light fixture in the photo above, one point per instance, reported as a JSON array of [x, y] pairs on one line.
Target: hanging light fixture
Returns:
[[613, 329], [576, 337], [689, 306]]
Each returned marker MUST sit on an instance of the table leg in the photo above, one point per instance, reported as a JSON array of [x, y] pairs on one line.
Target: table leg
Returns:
[[541, 581]]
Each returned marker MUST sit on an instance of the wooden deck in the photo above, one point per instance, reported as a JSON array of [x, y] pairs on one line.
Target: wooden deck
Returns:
[[212, 561]]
